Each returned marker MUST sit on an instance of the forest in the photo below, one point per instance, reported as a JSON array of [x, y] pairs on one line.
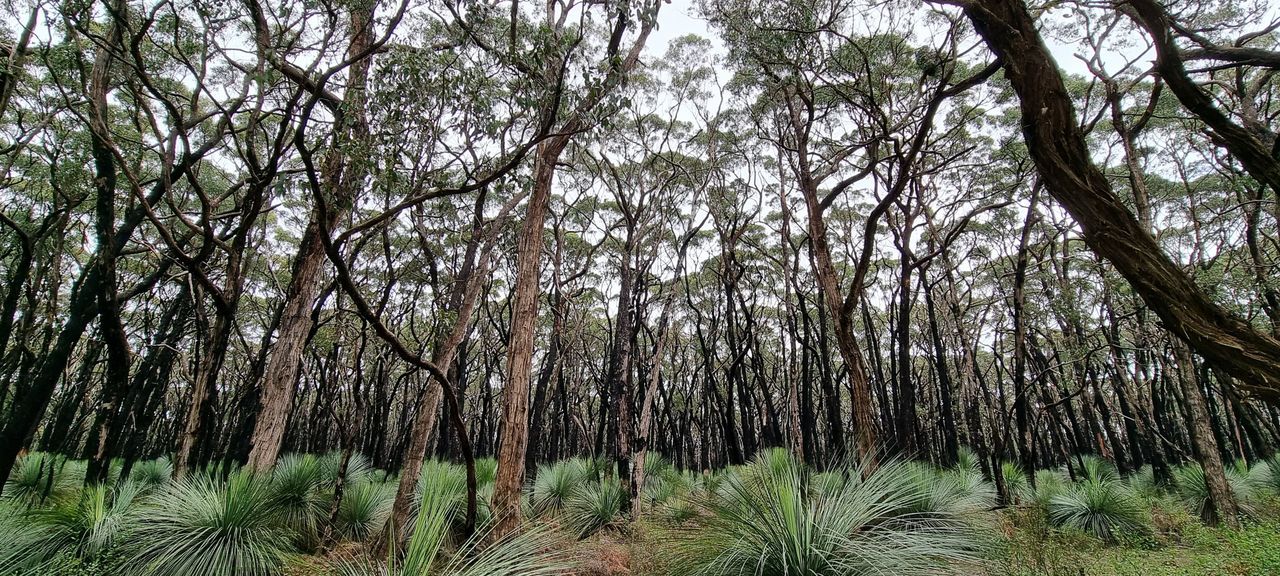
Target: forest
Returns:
[[639, 287]]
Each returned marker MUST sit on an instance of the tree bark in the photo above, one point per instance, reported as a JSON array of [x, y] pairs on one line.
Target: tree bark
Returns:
[[509, 484], [341, 178], [1221, 507], [1058, 148]]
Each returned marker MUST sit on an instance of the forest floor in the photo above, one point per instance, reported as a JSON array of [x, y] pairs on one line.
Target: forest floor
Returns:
[[1026, 547], [771, 516]]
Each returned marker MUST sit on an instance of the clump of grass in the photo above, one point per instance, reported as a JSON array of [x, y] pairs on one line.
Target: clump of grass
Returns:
[[365, 509], [593, 506], [1143, 484], [555, 484], [770, 520], [77, 528], [39, 476], [1193, 490], [358, 468], [199, 526], [298, 491], [1016, 480], [445, 476], [528, 553], [1049, 483], [152, 473], [486, 471], [1100, 505]]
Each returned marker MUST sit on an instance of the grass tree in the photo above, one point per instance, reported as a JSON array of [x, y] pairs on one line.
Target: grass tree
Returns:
[[593, 506], [1102, 506], [79, 528], [770, 520], [198, 526], [429, 549], [555, 484]]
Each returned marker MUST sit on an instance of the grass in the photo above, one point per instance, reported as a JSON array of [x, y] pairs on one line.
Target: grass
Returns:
[[201, 527], [769, 520], [1198, 550], [772, 516]]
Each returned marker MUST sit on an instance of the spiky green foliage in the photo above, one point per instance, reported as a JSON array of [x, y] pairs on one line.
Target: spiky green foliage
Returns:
[[967, 459], [1101, 505], [1049, 483], [201, 527], [39, 476], [1094, 468], [660, 489], [768, 521], [949, 493], [484, 503], [1250, 485], [365, 509], [677, 509], [554, 484], [152, 473], [657, 466], [486, 471], [358, 468], [828, 483], [1143, 483], [437, 475], [1193, 490], [529, 553], [298, 489], [1015, 479], [594, 505], [22, 546], [662, 481], [1273, 474], [972, 491], [597, 467], [84, 526]]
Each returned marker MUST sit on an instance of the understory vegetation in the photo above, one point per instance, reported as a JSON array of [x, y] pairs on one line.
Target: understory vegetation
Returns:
[[772, 516], [639, 287]]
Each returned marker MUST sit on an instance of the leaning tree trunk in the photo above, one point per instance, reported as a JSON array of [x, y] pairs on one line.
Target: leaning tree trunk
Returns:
[[1058, 148], [508, 486]]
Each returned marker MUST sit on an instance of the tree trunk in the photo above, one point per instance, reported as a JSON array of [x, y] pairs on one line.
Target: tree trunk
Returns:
[[341, 179], [509, 484], [1058, 148], [1221, 507]]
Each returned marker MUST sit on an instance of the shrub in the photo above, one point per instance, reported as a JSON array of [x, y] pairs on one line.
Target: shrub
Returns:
[[445, 477], [528, 553], [1099, 505], [1015, 479], [84, 527], [365, 509], [554, 484], [1143, 484], [766, 521], [201, 527], [948, 493], [298, 491], [152, 473], [358, 468], [1049, 483], [593, 506], [1194, 491], [486, 471], [38, 476]]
